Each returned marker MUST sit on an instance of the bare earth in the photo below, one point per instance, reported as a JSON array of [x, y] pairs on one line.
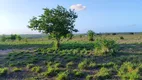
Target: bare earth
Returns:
[[5, 52]]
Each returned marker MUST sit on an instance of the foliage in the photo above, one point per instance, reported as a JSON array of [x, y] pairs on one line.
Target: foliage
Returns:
[[70, 65], [105, 47], [70, 54], [102, 74], [63, 76], [29, 66], [90, 34], [113, 33], [92, 65], [89, 77], [18, 37], [3, 71], [14, 37], [83, 64], [128, 71], [70, 35], [56, 22], [57, 65], [15, 69], [78, 73], [51, 71], [3, 38], [11, 37], [121, 37], [80, 35], [36, 69]]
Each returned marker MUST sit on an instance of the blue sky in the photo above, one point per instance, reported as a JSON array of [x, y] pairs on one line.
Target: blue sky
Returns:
[[99, 15]]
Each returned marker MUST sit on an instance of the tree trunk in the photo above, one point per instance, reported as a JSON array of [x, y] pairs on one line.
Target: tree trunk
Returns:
[[57, 44]]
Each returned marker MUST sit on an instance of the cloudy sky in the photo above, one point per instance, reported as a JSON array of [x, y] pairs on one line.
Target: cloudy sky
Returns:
[[97, 15]]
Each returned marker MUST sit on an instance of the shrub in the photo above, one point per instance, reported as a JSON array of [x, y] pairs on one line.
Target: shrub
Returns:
[[131, 33], [36, 69], [80, 35], [63, 76], [90, 34], [78, 73], [121, 37], [50, 50], [57, 65], [110, 64], [70, 65], [89, 77], [92, 65], [83, 64], [29, 66], [3, 71], [3, 38], [103, 73], [18, 37], [51, 71], [128, 71], [113, 33], [105, 47], [15, 69]]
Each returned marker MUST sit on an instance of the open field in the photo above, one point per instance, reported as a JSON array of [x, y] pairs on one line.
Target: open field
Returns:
[[35, 59]]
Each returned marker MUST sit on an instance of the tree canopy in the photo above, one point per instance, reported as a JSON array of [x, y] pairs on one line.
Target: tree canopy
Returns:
[[57, 22], [91, 35]]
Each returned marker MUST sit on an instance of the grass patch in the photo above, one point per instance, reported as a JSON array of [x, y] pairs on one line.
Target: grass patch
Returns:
[[3, 71]]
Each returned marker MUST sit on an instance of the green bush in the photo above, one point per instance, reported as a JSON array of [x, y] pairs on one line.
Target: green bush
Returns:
[[63, 76], [121, 37], [3, 71], [92, 65], [57, 65], [102, 74], [86, 64], [3, 38], [78, 73], [128, 71], [90, 34], [105, 47], [89, 77], [70, 65], [29, 66], [106, 65], [83, 64], [51, 71], [15, 69], [36, 69]]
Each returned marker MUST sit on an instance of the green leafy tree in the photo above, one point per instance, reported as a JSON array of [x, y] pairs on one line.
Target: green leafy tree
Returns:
[[13, 36], [91, 34], [57, 22], [70, 35], [18, 37], [3, 38]]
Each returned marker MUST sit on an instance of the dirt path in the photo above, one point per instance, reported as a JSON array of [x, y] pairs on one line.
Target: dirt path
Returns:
[[5, 52]]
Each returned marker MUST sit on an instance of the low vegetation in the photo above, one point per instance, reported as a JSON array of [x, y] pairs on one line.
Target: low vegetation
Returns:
[[103, 73], [105, 47], [3, 71], [62, 55]]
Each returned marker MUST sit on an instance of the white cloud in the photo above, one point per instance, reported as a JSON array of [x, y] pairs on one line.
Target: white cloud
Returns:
[[78, 7]]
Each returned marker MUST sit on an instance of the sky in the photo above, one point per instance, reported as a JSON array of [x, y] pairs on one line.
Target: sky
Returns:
[[96, 15]]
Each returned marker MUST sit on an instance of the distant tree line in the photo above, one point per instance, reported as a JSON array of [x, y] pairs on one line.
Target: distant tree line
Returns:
[[11, 37]]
